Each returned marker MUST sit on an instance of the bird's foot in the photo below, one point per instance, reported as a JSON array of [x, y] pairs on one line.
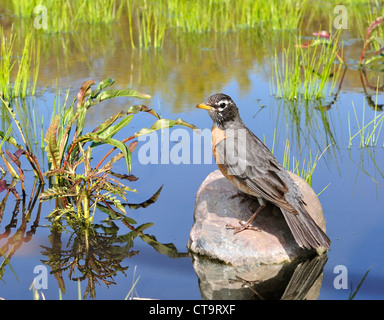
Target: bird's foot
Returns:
[[243, 226]]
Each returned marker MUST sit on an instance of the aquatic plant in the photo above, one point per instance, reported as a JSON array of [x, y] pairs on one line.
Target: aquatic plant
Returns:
[[82, 187], [367, 132], [29, 60], [79, 187], [66, 15], [307, 71], [374, 41], [20, 150], [353, 293], [307, 167], [151, 19], [6, 63]]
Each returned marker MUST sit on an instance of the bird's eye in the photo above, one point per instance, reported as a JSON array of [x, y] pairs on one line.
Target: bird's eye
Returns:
[[222, 105]]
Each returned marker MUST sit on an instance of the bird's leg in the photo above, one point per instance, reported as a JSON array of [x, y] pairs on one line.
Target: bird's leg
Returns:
[[247, 225], [248, 284]]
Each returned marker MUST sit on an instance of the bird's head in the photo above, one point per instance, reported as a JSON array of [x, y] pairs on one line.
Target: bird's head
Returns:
[[221, 109]]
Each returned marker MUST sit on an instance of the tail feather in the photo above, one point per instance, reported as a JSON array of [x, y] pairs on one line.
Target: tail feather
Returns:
[[306, 232]]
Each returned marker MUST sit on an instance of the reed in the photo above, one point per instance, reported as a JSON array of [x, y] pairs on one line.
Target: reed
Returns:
[[306, 168], [307, 72], [7, 62], [24, 8], [152, 19], [68, 15], [26, 66], [98, 11], [225, 15], [151, 23], [368, 133], [30, 58]]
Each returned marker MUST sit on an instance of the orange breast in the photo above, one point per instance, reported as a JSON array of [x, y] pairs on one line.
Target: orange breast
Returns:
[[218, 135]]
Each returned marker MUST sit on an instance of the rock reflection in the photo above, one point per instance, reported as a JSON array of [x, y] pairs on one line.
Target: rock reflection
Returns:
[[298, 280]]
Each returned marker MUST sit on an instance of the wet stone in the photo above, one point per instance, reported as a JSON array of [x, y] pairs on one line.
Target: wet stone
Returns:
[[218, 203]]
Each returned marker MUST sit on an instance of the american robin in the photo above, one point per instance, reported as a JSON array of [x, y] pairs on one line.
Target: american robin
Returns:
[[253, 169]]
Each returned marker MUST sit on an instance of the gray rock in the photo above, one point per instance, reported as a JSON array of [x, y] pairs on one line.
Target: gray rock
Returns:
[[274, 243]]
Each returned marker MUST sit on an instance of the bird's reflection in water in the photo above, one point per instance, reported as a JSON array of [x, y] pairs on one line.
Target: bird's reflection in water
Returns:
[[297, 280]]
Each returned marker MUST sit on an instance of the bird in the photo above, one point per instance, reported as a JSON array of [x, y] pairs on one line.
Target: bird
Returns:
[[253, 169]]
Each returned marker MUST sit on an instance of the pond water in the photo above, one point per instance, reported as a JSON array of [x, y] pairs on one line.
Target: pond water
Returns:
[[184, 72]]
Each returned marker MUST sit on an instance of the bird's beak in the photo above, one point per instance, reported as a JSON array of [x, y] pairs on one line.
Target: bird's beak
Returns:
[[204, 106]]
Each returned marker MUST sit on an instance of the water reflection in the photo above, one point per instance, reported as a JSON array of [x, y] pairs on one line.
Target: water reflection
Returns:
[[23, 207], [97, 254], [93, 253], [297, 280], [371, 86]]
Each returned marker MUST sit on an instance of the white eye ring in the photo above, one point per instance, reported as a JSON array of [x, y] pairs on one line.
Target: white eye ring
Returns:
[[220, 108]]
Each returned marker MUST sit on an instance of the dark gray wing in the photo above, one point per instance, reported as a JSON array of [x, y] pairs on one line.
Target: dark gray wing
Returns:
[[251, 162]]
